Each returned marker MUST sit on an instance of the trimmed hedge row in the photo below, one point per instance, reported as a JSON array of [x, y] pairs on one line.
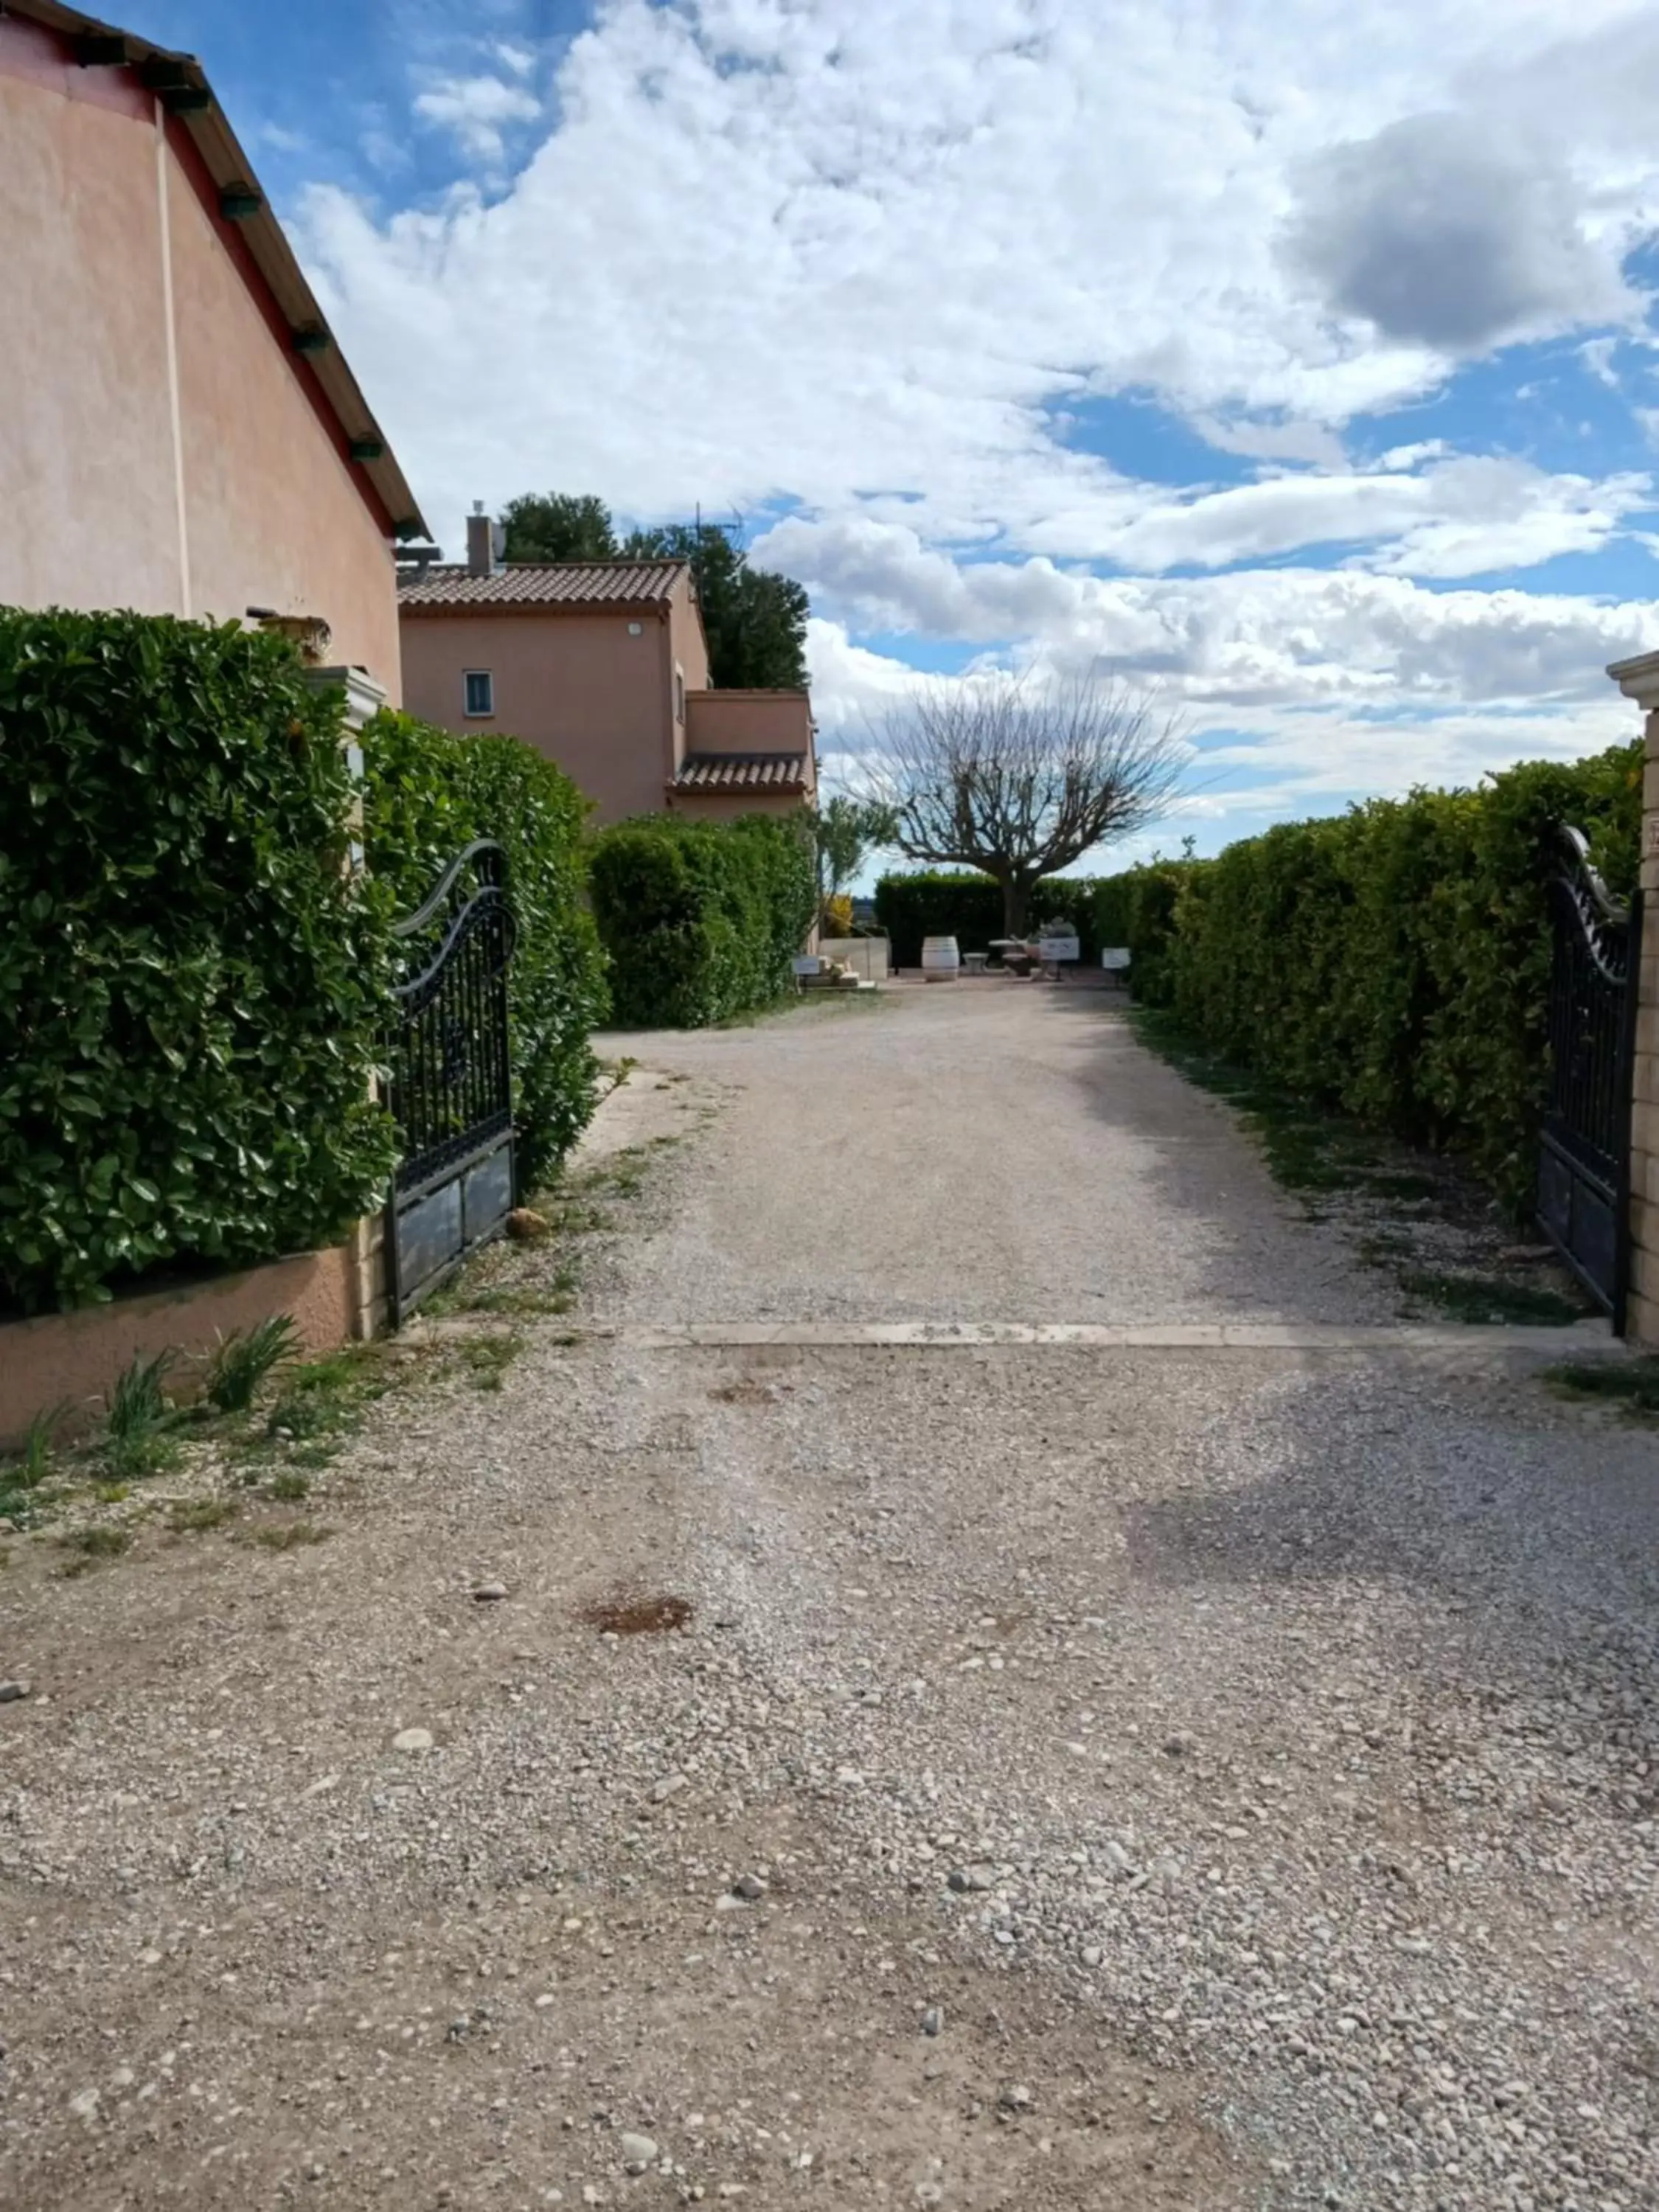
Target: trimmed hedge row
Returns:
[[700, 919], [190, 982], [1393, 961], [963, 904], [427, 794]]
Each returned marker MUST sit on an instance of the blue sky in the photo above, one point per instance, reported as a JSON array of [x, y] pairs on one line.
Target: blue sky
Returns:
[[1298, 363]]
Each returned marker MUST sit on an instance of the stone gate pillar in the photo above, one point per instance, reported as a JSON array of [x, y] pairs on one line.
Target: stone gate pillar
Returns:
[[1638, 679]]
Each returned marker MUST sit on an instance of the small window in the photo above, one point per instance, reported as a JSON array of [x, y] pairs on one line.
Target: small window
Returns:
[[480, 691], [679, 695]]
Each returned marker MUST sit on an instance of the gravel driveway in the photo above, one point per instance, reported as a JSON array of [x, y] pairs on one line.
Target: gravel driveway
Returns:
[[1162, 1776]]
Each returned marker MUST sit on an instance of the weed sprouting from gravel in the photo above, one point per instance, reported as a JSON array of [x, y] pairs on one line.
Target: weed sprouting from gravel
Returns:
[[23, 1481], [245, 1360], [90, 1546], [521, 1301], [1488, 1300], [201, 1515], [1631, 1385], [291, 1535], [488, 1357], [290, 1487], [326, 1400]]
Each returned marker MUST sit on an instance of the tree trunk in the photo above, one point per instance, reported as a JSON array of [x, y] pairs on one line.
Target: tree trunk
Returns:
[[1016, 906]]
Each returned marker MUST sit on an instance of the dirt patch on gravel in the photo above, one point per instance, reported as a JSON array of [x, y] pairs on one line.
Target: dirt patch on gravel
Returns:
[[631, 1614]]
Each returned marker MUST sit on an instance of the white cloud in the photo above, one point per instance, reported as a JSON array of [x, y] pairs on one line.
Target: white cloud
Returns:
[[475, 110], [881, 262], [1447, 231], [831, 247], [1275, 642], [1458, 516]]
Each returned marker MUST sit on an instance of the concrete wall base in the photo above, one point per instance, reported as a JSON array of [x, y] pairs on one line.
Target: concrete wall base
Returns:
[[72, 1360]]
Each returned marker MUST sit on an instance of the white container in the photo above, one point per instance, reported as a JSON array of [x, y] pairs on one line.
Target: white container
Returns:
[[941, 959]]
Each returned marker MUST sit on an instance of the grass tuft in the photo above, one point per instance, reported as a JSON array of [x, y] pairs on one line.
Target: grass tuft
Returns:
[[201, 1515], [1487, 1301], [488, 1357], [290, 1535], [23, 1479], [243, 1361], [1630, 1385], [140, 1421], [89, 1546], [326, 1400]]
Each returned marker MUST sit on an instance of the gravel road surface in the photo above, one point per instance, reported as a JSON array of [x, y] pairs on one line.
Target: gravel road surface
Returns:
[[1050, 1777]]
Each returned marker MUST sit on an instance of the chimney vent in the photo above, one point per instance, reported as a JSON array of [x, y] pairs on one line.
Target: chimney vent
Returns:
[[480, 542]]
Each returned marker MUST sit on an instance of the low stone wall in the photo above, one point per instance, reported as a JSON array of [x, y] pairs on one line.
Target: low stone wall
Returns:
[[71, 1359]]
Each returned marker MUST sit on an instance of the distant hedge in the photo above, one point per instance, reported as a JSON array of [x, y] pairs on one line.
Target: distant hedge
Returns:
[[700, 919], [1393, 961], [428, 793], [959, 903], [192, 984]]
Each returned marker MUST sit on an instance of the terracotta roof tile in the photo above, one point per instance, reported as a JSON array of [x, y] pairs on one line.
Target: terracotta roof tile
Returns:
[[544, 584], [742, 772]]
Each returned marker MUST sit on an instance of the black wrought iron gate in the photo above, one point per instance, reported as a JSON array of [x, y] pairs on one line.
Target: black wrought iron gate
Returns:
[[1584, 1168], [450, 1090]]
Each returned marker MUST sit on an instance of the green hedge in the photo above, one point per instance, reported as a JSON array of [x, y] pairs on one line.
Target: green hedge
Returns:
[[700, 919], [1138, 909], [1393, 961], [959, 903], [428, 793], [190, 983]]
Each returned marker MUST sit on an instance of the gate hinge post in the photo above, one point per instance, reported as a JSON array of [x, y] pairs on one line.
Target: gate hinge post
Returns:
[[1638, 679]]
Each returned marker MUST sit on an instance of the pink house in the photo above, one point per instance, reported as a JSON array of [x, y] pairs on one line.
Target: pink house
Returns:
[[180, 434], [603, 666]]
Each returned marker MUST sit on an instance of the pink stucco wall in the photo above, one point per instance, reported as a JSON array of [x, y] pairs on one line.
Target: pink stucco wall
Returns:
[[89, 476], [71, 1359], [576, 686], [750, 722]]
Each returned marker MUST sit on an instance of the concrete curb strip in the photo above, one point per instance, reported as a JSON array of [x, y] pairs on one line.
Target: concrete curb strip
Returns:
[[1590, 1339]]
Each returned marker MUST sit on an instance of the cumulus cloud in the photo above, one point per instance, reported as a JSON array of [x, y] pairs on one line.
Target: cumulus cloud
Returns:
[[1445, 231], [475, 110], [1455, 515], [829, 246], [873, 264], [1284, 640]]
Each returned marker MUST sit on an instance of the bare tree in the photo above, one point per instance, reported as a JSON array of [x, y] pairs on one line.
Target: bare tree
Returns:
[[1020, 780]]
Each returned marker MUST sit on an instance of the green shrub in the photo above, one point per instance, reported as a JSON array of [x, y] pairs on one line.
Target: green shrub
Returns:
[[1392, 961], [1138, 909], [700, 919], [190, 982], [960, 903], [428, 793]]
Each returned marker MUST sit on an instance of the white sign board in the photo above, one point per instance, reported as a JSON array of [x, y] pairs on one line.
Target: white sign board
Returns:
[[1059, 948], [1115, 956], [807, 964]]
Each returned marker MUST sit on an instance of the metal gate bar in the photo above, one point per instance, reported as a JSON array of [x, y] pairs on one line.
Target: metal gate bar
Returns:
[[1583, 1169], [450, 1086]]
